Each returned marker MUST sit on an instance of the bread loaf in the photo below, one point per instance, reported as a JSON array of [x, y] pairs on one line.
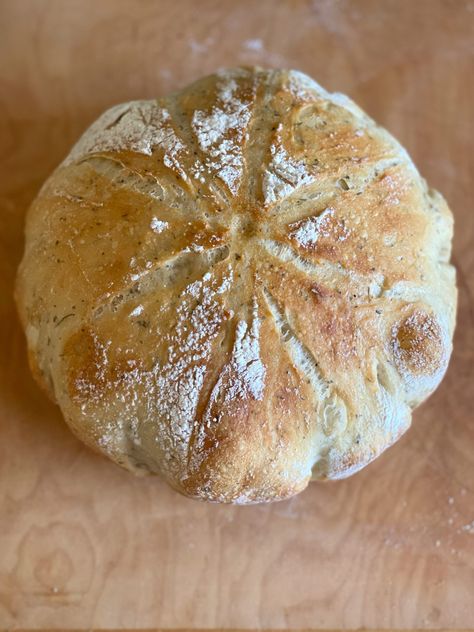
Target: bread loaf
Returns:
[[240, 287]]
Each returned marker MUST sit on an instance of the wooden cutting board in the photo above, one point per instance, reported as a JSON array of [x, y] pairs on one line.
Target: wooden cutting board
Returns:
[[83, 543]]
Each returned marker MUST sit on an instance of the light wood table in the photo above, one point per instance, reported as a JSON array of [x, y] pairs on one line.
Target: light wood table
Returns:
[[84, 544]]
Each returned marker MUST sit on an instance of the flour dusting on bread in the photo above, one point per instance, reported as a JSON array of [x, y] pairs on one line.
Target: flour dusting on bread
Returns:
[[221, 134], [138, 126], [284, 174]]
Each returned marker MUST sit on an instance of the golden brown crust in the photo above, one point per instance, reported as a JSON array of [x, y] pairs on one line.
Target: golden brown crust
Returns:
[[240, 286]]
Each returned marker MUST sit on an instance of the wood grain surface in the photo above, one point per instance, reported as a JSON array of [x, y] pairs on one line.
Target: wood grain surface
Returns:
[[84, 544]]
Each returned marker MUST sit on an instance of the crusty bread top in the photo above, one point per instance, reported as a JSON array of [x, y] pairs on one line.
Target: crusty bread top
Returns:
[[239, 286]]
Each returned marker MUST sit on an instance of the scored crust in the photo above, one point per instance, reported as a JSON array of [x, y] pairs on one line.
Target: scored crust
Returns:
[[240, 286]]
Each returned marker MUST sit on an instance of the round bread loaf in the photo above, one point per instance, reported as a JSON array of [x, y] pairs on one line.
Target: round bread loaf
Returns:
[[240, 287]]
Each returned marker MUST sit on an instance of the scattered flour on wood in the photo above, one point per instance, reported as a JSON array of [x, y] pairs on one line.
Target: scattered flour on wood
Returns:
[[253, 44], [468, 528], [200, 48]]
